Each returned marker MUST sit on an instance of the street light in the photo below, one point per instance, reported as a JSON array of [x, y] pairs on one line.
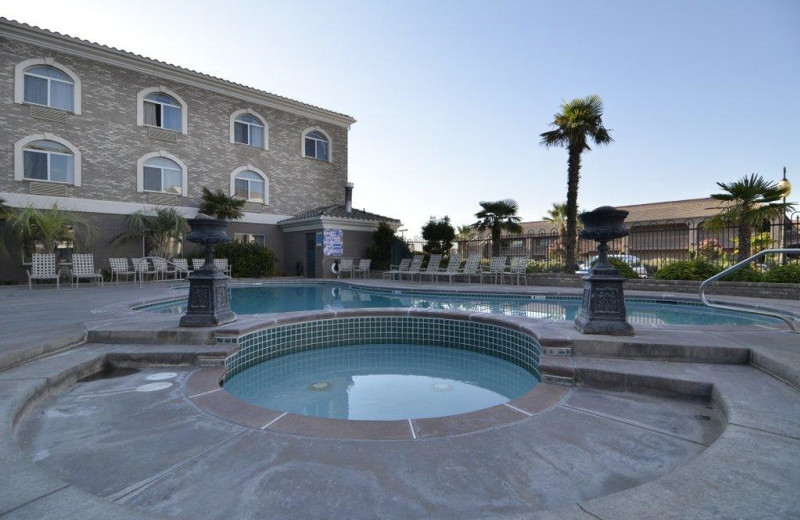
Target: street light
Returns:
[[785, 186]]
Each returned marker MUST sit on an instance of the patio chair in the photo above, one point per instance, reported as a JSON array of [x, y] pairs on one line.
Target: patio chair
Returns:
[[162, 268], [119, 266], [142, 267], [181, 267], [413, 268], [345, 266], [83, 267], [363, 267], [471, 267], [432, 267], [197, 263], [222, 265], [496, 267], [43, 267], [451, 270], [394, 269], [518, 268]]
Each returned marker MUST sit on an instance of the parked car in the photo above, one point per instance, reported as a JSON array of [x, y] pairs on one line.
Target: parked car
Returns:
[[634, 261]]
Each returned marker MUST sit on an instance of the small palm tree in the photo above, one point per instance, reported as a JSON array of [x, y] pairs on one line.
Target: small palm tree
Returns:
[[498, 216], [217, 203], [465, 232], [557, 215], [158, 229], [750, 201], [579, 121], [48, 228]]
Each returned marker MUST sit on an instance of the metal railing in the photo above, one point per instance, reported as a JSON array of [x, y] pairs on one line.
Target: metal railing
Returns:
[[789, 319]]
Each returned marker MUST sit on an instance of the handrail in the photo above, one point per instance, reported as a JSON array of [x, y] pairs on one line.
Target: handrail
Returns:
[[177, 268], [791, 321]]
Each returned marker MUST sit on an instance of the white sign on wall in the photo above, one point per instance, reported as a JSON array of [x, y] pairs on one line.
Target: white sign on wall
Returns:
[[332, 243]]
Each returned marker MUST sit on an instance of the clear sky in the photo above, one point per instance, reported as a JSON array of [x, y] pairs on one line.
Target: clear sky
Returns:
[[451, 96]]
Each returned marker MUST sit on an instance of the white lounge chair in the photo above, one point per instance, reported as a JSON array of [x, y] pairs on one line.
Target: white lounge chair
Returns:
[[450, 271], [413, 268], [163, 268], [222, 265], [83, 267], [432, 267], [43, 267], [394, 269], [119, 266], [496, 267], [181, 267], [363, 267], [197, 263], [518, 268], [471, 268], [142, 268]]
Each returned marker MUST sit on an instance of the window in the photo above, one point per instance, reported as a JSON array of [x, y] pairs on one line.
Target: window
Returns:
[[248, 129], [47, 158], [247, 238], [48, 86], [250, 186], [316, 145], [47, 83], [162, 111], [162, 175]]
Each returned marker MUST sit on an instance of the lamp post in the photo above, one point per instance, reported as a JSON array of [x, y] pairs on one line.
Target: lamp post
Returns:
[[786, 187]]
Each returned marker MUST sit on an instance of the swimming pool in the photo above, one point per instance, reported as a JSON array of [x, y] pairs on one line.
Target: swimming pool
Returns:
[[279, 298]]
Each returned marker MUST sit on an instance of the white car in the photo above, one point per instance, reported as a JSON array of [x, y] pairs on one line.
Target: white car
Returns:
[[634, 261]]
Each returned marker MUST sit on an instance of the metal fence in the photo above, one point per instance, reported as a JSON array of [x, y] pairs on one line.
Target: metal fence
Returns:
[[656, 244]]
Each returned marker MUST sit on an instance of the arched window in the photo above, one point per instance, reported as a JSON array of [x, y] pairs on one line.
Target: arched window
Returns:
[[162, 175], [248, 129], [48, 161], [47, 83], [251, 184], [48, 86], [159, 107], [316, 144], [47, 158]]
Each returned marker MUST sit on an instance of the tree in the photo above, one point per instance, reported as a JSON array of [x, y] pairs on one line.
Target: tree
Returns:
[[558, 216], [579, 121], [47, 229], [498, 216], [5, 211], [465, 232], [156, 228], [218, 204], [438, 235], [750, 201], [384, 240]]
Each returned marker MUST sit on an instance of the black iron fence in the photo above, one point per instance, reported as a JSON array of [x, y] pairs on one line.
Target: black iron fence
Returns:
[[653, 244]]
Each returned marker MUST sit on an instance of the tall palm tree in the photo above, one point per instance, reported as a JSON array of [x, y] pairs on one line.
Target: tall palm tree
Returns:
[[156, 229], [217, 203], [498, 216], [750, 201], [578, 122]]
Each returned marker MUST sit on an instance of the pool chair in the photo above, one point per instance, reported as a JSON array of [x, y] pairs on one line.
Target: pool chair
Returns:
[[394, 269], [163, 268], [197, 263], [451, 270], [496, 267], [222, 265], [471, 267], [413, 268], [43, 267], [119, 266], [345, 266], [363, 267], [142, 268], [83, 267], [181, 267], [432, 268], [518, 268]]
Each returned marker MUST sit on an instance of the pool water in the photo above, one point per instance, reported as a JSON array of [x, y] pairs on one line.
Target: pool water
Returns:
[[304, 297], [381, 382]]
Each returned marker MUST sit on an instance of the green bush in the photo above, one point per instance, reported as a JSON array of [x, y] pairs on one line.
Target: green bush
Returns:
[[383, 241], [248, 260], [687, 270], [623, 268], [783, 274], [745, 274]]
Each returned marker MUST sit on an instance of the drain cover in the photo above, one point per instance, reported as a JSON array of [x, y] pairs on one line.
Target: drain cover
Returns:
[[320, 387], [160, 376], [153, 387], [441, 387]]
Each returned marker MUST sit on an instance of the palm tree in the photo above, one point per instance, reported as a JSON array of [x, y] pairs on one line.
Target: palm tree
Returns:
[[498, 216], [558, 216], [155, 228], [579, 121], [465, 232], [751, 201], [5, 214], [47, 228], [218, 204]]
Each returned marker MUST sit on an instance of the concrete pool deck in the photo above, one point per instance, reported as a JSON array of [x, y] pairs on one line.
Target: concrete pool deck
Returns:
[[624, 442]]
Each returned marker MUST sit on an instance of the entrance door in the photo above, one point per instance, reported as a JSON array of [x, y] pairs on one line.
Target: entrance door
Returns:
[[311, 255]]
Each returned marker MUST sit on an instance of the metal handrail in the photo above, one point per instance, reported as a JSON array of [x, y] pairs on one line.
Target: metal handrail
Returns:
[[790, 320], [177, 268]]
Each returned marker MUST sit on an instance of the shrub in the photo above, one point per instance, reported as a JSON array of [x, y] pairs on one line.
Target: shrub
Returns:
[[248, 260], [623, 268], [783, 274], [384, 241], [687, 270], [746, 274]]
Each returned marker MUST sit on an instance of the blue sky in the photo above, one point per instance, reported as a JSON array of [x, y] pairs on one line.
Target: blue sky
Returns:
[[451, 96]]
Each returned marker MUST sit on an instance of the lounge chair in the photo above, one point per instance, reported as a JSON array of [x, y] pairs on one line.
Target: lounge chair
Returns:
[[181, 267], [471, 267], [119, 266], [394, 269], [142, 268], [346, 266], [222, 265], [163, 268], [363, 267], [43, 267], [197, 263], [496, 267], [518, 268], [83, 267], [432, 267], [452, 269], [413, 268]]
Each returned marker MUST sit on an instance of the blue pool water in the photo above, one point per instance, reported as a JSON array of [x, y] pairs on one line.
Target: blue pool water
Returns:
[[302, 297], [381, 382]]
